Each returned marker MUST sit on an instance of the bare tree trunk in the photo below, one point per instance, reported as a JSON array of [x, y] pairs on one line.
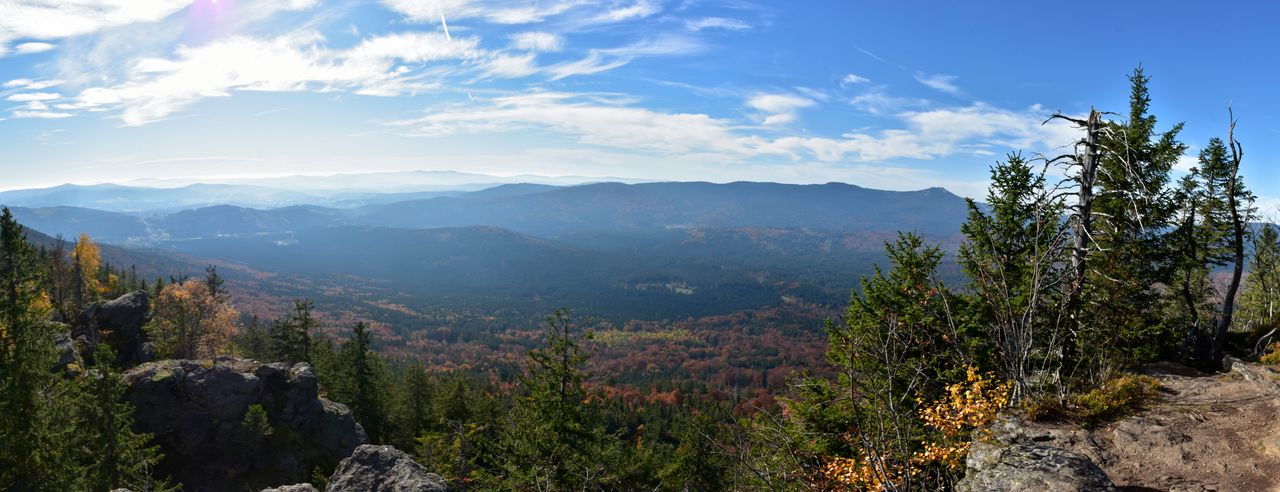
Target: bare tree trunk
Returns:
[[1193, 330], [1228, 302], [1083, 227]]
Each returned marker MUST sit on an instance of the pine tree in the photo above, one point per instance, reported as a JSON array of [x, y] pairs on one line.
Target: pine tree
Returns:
[[35, 425], [213, 282], [1134, 211], [556, 439], [253, 341], [1015, 257], [116, 456], [290, 339], [362, 382], [414, 412]]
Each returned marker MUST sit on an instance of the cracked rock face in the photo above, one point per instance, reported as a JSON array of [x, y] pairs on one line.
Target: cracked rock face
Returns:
[[995, 466], [119, 323], [383, 469], [195, 411]]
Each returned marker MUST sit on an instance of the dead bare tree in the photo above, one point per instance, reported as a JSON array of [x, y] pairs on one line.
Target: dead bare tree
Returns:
[[1237, 240]]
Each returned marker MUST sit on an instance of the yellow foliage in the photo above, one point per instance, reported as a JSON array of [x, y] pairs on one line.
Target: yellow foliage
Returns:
[[967, 406], [191, 323], [1272, 356], [88, 259]]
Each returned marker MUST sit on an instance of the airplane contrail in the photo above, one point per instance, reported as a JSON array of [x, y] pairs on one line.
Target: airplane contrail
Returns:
[[446, 27]]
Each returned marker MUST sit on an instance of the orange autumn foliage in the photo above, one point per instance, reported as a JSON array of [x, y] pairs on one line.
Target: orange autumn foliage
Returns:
[[190, 323], [967, 407]]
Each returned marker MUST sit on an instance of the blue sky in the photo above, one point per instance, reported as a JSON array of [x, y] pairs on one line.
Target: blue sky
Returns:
[[898, 95]]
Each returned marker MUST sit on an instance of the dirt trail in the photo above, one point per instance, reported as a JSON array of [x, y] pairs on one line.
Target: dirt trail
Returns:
[[1209, 432]]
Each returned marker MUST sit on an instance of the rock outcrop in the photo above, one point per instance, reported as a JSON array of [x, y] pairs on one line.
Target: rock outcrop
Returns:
[[195, 409], [301, 487], [995, 466], [382, 469], [119, 323], [1015, 457]]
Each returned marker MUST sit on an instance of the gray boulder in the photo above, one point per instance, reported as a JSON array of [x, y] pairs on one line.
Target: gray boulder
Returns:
[[383, 469], [994, 466], [300, 487], [119, 324], [68, 356], [195, 409]]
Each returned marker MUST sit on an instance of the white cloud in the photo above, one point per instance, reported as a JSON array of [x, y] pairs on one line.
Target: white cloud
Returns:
[[510, 66], [778, 109], [495, 11], [637, 10], [940, 81], [601, 60], [878, 102], [48, 115], [592, 120], [158, 87], [45, 20], [537, 41], [592, 63], [716, 23], [853, 78], [33, 96], [29, 48]]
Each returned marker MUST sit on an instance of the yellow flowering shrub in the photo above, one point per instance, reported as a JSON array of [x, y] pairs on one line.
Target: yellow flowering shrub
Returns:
[[966, 407]]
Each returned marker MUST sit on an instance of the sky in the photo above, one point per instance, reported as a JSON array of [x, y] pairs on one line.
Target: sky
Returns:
[[883, 94]]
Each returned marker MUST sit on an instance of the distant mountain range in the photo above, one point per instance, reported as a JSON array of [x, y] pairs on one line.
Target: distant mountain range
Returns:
[[339, 190], [540, 210], [646, 250]]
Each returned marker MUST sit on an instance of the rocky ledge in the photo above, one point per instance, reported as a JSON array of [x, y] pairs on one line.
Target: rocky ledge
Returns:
[[196, 411], [376, 469]]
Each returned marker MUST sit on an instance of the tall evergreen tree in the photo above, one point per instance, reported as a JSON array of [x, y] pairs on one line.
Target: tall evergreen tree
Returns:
[[556, 439], [290, 338], [1015, 255], [33, 400], [362, 384], [116, 456], [1134, 211]]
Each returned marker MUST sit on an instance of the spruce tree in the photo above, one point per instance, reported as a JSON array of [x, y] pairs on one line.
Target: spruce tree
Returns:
[[1134, 211], [290, 338], [34, 402], [362, 382], [555, 439], [1014, 254], [115, 456]]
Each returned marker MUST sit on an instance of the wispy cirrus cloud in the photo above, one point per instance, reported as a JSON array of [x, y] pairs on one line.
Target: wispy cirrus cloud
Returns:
[[636, 10], [537, 41], [853, 79], [939, 81], [495, 11], [722, 23], [605, 59]]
